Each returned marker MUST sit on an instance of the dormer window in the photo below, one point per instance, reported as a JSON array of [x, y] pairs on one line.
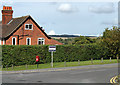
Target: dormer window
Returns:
[[28, 27]]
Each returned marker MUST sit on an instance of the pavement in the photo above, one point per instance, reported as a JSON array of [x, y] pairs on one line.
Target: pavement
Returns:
[[62, 68], [96, 74]]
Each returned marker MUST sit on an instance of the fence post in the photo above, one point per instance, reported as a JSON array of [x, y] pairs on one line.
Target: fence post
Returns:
[[102, 60], [26, 66], [78, 62], [7, 67], [12, 66], [1, 67], [117, 59], [110, 59], [65, 63], [92, 60]]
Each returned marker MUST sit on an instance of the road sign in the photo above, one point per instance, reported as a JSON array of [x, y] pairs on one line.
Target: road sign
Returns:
[[52, 48]]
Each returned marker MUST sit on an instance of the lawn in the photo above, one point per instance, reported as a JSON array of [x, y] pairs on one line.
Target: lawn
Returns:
[[59, 64], [118, 79]]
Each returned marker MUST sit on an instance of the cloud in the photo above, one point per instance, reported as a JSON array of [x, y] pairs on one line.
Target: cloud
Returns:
[[76, 34], [103, 9], [52, 32], [112, 22], [6, 2], [97, 35], [67, 8]]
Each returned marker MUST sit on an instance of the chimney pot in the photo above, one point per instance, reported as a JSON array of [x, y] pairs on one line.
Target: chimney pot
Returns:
[[10, 8], [7, 8], [3, 7]]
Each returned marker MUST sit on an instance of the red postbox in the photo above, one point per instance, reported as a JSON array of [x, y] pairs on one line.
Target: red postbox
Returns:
[[37, 58]]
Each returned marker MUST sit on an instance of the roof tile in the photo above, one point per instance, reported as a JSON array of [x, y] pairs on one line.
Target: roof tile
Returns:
[[9, 28]]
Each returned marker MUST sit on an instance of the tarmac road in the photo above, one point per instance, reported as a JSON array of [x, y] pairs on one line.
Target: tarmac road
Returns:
[[89, 75]]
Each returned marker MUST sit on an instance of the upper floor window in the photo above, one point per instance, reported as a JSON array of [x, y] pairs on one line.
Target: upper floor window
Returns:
[[14, 41], [41, 41], [28, 27], [28, 41]]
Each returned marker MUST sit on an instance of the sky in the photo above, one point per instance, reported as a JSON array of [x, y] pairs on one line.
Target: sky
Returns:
[[78, 18]]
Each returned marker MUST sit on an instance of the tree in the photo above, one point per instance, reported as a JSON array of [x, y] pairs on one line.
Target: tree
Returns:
[[111, 40], [68, 41], [83, 40]]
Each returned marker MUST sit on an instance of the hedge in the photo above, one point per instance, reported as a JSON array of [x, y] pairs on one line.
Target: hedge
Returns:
[[23, 54]]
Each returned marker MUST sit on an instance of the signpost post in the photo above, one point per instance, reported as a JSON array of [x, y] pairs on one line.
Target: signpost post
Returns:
[[52, 59], [52, 49]]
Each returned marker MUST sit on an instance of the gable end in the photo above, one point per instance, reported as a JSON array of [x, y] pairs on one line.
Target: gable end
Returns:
[[29, 17]]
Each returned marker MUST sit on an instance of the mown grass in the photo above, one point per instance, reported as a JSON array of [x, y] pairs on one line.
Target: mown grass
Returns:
[[118, 79], [59, 64]]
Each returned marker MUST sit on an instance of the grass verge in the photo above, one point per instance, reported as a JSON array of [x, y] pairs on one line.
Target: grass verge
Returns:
[[118, 79], [59, 64]]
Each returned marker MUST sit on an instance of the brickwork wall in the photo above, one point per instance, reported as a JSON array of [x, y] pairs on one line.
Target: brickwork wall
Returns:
[[33, 34]]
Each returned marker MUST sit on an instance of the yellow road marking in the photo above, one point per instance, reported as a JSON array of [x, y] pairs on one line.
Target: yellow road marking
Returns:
[[112, 80]]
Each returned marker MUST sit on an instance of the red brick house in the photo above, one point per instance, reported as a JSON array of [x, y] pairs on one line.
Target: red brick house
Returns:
[[22, 30]]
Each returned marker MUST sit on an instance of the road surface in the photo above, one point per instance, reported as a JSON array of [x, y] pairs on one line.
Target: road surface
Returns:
[[89, 75]]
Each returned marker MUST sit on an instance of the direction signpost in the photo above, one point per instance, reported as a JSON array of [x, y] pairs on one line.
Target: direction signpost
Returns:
[[52, 49]]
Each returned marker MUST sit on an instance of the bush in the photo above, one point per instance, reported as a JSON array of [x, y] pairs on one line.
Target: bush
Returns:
[[23, 54]]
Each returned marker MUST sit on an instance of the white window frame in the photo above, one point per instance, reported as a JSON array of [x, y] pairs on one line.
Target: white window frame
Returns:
[[41, 40], [12, 40], [29, 42], [0, 41], [28, 27]]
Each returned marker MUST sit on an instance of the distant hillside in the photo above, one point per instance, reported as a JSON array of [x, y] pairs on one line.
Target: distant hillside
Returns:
[[63, 35], [70, 39], [69, 36]]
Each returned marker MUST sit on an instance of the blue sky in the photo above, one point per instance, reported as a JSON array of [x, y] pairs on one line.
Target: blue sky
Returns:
[[83, 18]]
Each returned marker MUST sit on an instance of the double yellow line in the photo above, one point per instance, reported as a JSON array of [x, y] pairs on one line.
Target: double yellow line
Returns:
[[112, 80]]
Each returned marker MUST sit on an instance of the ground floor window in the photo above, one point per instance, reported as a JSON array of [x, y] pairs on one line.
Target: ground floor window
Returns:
[[28, 41], [3, 42], [14, 41], [0, 42], [41, 41]]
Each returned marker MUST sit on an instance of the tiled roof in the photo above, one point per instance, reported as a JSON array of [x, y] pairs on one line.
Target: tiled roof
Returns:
[[54, 42], [14, 24]]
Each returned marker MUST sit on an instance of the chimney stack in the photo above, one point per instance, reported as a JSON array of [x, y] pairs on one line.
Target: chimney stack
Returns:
[[6, 14]]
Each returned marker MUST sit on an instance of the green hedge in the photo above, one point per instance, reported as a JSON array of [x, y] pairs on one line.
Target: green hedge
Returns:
[[23, 54]]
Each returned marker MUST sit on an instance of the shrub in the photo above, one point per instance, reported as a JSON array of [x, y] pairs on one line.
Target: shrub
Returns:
[[23, 54]]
